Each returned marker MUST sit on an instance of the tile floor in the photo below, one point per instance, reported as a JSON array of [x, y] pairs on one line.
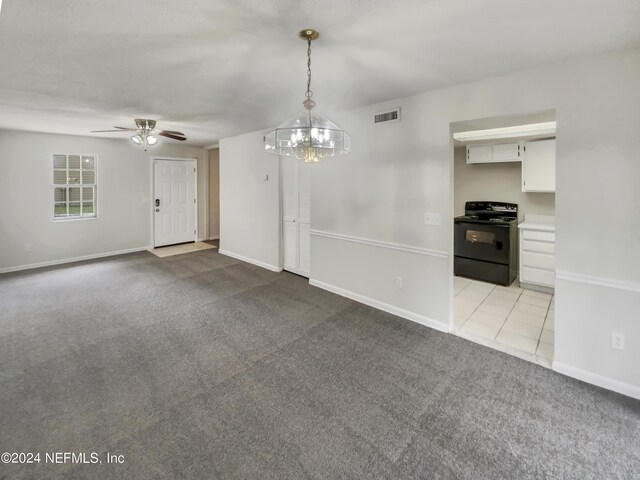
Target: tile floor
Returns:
[[519, 319], [182, 248]]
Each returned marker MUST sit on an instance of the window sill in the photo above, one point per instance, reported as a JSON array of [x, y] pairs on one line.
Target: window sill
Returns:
[[72, 219]]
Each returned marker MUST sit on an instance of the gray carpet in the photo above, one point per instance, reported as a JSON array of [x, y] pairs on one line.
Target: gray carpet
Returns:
[[199, 366]]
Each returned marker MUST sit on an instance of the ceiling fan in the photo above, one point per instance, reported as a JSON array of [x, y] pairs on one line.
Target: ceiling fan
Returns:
[[146, 132]]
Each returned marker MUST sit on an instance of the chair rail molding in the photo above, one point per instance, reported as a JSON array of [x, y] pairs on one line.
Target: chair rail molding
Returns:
[[382, 244], [596, 280]]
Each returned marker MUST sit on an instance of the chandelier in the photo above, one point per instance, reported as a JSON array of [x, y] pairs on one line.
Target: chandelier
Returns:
[[309, 136]]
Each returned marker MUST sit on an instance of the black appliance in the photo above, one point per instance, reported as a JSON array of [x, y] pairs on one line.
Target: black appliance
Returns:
[[486, 242]]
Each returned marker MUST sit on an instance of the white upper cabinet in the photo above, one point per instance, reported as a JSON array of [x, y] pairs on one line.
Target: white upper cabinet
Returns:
[[503, 152], [539, 166]]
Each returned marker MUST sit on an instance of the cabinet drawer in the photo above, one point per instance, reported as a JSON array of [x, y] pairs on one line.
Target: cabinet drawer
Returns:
[[538, 235], [539, 277], [542, 247], [538, 260]]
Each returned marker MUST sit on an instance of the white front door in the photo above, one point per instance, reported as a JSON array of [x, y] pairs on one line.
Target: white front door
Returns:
[[296, 206], [174, 201]]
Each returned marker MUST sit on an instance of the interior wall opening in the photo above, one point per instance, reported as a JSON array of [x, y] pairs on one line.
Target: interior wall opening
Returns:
[[503, 236]]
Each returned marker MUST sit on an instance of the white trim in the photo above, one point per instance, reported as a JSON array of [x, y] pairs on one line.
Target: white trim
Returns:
[[207, 174], [599, 281], [596, 379], [214, 237], [534, 129], [414, 317], [213, 146], [379, 243], [73, 259], [268, 266]]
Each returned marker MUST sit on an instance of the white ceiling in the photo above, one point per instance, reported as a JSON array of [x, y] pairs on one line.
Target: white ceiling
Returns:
[[217, 68]]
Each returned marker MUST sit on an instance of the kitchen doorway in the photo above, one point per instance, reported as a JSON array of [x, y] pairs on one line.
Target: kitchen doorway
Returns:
[[503, 235]]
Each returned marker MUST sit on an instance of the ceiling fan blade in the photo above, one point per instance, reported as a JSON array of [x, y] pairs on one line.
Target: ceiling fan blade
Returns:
[[173, 132], [170, 135], [128, 129], [122, 130]]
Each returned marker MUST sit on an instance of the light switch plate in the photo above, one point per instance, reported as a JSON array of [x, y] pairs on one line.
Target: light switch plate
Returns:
[[431, 218]]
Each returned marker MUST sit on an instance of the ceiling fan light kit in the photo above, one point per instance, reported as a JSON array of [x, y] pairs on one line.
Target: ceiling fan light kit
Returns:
[[146, 133], [309, 136]]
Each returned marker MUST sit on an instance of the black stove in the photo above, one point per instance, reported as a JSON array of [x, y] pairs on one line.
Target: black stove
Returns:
[[478, 219], [486, 242]]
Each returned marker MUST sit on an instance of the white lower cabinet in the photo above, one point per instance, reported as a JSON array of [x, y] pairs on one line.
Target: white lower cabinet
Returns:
[[537, 255]]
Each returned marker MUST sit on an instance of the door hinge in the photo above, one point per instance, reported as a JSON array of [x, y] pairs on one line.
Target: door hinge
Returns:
[[194, 169], [194, 232], [194, 200]]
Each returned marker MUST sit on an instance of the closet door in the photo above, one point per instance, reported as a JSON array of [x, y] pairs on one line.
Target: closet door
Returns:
[[304, 218], [296, 213]]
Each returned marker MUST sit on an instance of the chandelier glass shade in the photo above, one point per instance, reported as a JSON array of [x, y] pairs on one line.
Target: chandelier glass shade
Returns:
[[309, 136]]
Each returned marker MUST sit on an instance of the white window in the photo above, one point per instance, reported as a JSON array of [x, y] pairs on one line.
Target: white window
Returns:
[[74, 186]]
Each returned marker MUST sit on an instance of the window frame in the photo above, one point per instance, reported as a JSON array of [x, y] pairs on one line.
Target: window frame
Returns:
[[69, 218]]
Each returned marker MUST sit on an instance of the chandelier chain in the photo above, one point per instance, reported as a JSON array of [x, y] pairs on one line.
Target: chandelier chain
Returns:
[[309, 93]]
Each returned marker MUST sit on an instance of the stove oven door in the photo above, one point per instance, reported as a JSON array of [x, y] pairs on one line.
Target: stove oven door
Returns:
[[482, 241]]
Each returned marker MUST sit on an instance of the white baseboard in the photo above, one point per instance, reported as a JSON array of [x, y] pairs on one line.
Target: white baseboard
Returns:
[[400, 312], [268, 266], [596, 379], [215, 237], [73, 259]]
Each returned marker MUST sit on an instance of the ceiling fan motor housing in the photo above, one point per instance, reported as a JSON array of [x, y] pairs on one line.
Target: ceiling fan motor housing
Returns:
[[145, 124]]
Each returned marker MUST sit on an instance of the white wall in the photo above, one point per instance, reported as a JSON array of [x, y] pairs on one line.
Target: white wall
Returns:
[[249, 203], [214, 193], [368, 207], [500, 182], [123, 221]]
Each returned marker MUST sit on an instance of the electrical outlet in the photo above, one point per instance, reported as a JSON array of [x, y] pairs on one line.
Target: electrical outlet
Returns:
[[399, 282], [431, 218], [27, 247], [617, 340]]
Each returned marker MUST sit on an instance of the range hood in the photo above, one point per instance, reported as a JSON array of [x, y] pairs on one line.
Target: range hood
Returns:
[[519, 131]]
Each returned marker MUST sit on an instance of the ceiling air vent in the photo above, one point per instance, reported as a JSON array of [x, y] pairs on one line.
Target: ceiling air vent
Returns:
[[390, 116]]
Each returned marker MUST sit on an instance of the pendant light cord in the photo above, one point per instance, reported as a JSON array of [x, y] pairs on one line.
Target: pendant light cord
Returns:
[[309, 93]]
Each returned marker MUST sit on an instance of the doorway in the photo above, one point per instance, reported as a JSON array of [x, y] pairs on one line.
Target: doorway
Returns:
[[505, 163], [174, 201], [296, 215]]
